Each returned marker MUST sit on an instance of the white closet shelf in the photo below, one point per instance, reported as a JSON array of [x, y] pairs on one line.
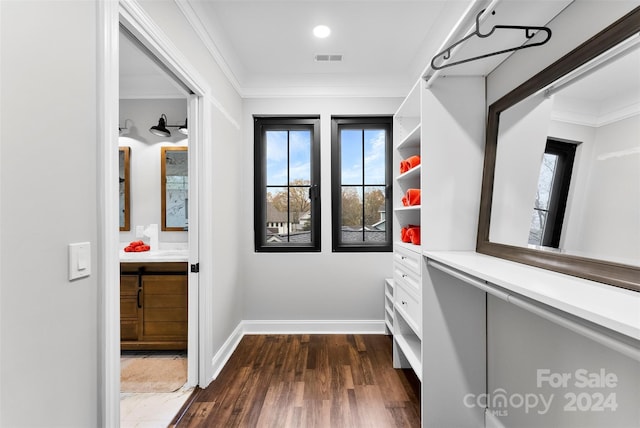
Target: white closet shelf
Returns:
[[611, 307], [411, 348], [413, 173], [412, 140], [407, 209]]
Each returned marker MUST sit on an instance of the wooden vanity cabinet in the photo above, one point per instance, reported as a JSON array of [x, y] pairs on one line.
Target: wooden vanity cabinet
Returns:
[[153, 306]]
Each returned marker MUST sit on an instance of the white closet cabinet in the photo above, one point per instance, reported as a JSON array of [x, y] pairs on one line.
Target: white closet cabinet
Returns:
[[433, 335], [407, 263]]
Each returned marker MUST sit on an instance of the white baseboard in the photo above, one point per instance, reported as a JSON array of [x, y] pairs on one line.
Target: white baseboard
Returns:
[[290, 327], [224, 353], [491, 420], [314, 327]]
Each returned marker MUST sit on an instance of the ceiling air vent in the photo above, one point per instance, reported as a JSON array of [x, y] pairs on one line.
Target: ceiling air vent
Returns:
[[328, 58]]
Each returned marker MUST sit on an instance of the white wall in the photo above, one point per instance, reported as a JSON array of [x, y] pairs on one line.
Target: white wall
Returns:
[[49, 326], [523, 136], [611, 212], [145, 160], [518, 342], [602, 217], [309, 286], [220, 161]]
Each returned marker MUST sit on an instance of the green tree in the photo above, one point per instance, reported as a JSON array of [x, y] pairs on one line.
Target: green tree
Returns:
[[297, 200], [373, 201], [352, 207]]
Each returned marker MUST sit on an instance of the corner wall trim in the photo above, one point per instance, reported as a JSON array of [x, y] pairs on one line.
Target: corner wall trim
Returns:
[[224, 353]]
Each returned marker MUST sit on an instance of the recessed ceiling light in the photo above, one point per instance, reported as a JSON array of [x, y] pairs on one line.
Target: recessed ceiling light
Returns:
[[321, 31]]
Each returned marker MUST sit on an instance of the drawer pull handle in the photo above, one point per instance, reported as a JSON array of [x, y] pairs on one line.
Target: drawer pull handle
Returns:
[[138, 298], [404, 302]]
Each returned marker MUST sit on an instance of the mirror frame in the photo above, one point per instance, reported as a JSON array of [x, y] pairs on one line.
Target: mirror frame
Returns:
[[163, 186], [617, 274], [127, 186]]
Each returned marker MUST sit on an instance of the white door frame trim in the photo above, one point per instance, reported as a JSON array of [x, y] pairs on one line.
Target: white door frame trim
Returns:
[[128, 12]]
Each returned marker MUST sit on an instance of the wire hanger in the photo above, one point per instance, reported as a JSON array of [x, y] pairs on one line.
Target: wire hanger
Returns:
[[529, 33]]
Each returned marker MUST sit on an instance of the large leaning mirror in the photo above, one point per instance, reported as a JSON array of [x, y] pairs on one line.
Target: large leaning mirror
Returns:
[[125, 183], [561, 184], [174, 188]]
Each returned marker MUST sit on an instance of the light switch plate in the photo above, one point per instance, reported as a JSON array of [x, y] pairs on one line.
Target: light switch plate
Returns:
[[79, 260]]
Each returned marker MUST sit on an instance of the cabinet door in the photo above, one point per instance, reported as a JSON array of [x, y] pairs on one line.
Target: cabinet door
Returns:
[[130, 300], [164, 308]]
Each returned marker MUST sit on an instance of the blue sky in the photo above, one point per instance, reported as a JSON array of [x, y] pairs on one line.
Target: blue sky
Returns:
[[374, 156], [300, 156]]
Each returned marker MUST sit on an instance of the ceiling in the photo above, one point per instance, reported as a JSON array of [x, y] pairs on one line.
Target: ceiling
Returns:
[[610, 93], [266, 47], [141, 77]]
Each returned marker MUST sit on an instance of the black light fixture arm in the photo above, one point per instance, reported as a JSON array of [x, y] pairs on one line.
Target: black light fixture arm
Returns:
[[530, 31], [161, 128]]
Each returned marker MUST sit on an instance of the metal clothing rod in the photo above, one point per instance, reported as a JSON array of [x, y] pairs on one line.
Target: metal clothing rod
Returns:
[[529, 32], [607, 340]]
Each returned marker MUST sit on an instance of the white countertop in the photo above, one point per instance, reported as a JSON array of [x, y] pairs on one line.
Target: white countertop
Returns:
[[612, 307], [170, 255]]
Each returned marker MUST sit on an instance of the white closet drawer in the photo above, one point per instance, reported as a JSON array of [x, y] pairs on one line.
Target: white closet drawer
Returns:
[[407, 277], [410, 259], [409, 308]]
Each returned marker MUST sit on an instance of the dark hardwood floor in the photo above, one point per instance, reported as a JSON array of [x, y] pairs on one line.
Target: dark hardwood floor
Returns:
[[321, 381]]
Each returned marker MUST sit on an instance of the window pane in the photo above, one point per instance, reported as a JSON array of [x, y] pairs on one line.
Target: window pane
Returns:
[[299, 157], [300, 214], [536, 231], [351, 214], [360, 169], [374, 210], [545, 181], [276, 143], [374, 156], [351, 154], [277, 222]]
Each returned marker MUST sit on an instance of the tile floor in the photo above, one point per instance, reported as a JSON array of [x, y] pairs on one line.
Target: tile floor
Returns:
[[150, 409]]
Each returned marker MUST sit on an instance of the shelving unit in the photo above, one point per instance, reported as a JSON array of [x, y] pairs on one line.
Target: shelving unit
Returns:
[[447, 135], [407, 280]]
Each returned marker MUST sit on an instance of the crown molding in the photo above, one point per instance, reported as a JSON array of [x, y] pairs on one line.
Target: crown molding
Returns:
[[196, 23], [596, 121]]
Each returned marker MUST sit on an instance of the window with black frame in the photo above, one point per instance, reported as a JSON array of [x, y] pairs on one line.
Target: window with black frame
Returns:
[[361, 184], [286, 184], [552, 193]]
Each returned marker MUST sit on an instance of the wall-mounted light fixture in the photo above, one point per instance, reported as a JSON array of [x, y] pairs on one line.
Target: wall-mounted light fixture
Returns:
[[183, 129], [161, 128], [123, 130]]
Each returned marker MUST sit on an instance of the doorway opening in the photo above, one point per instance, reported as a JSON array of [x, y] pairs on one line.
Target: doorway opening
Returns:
[[112, 17], [159, 352]]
